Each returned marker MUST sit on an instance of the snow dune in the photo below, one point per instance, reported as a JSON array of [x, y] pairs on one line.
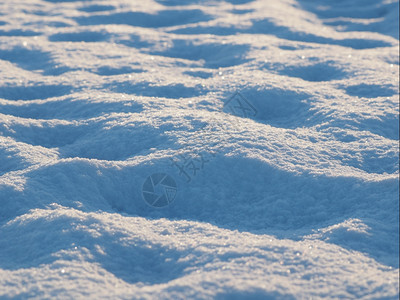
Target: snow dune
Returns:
[[237, 149]]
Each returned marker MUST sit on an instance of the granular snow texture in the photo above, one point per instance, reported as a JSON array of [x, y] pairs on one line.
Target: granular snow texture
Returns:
[[171, 149]]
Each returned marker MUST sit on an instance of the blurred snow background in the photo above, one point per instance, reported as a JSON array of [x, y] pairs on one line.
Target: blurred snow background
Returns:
[[278, 121]]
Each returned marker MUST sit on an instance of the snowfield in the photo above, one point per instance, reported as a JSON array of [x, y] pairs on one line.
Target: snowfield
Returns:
[[199, 149]]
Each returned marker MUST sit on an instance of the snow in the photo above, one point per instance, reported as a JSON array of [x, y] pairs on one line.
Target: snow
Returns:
[[237, 149]]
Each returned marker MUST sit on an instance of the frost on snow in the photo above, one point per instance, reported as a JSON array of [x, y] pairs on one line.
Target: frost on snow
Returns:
[[237, 149]]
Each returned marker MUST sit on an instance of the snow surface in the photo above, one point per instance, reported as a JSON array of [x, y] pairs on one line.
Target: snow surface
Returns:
[[294, 195]]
